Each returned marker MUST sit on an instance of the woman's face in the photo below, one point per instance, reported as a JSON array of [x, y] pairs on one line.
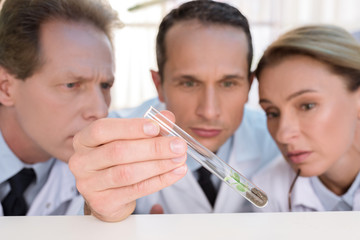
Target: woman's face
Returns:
[[310, 114]]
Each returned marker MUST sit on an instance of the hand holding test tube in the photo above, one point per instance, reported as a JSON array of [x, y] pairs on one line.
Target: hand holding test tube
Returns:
[[210, 161]]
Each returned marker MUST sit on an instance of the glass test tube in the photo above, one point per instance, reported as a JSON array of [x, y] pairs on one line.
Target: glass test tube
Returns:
[[210, 161]]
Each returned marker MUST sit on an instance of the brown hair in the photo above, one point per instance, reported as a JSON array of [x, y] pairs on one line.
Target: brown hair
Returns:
[[207, 13], [328, 44], [20, 22]]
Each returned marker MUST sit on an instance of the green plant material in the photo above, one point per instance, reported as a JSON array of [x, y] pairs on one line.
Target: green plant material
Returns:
[[241, 187], [236, 177], [227, 178]]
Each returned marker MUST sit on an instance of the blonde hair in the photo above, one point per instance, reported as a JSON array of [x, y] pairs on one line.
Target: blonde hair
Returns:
[[329, 44]]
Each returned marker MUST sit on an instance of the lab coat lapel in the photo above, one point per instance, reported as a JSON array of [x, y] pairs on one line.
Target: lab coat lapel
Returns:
[[193, 198]]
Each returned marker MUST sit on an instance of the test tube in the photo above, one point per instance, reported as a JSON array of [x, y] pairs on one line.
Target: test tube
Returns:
[[210, 161]]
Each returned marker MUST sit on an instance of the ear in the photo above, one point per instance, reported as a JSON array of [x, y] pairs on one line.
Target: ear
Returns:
[[158, 85], [7, 82]]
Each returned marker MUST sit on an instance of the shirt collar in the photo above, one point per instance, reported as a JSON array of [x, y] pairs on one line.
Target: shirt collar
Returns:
[[317, 197], [42, 169], [330, 200], [350, 194], [9, 163]]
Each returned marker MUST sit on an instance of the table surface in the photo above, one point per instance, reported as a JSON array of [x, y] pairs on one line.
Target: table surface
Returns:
[[307, 225]]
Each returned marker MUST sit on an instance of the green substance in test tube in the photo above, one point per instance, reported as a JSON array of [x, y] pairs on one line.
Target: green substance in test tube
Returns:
[[239, 186]]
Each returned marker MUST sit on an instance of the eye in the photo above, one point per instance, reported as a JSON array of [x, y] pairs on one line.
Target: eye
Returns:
[[106, 85], [271, 114], [188, 83], [72, 85], [228, 84], [307, 106]]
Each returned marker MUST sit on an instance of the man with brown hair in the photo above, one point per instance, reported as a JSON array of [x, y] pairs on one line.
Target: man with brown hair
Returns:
[[204, 55], [56, 71]]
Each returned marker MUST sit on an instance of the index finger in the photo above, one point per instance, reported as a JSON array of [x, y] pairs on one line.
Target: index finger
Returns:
[[106, 130]]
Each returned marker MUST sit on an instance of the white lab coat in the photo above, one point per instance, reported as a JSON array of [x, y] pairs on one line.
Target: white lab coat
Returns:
[[58, 196], [186, 196], [276, 180], [251, 148]]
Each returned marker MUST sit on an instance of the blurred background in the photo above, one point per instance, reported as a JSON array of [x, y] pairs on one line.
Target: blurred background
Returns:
[[135, 43]]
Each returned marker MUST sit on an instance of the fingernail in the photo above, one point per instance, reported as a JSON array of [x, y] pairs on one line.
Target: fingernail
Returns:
[[180, 170], [178, 159], [177, 146], [151, 129]]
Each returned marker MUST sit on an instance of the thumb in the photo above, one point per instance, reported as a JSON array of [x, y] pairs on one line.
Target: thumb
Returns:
[[157, 209]]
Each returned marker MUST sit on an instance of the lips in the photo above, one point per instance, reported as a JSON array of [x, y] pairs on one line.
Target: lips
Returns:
[[298, 156], [206, 133]]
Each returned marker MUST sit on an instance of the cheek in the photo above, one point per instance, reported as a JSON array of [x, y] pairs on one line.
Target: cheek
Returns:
[[180, 103], [335, 138], [107, 98], [338, 123], [235, 114], [183, 112], [34, 109]]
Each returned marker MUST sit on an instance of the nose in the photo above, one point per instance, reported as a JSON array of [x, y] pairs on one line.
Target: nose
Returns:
[[97, 104], [287, 129], [208, 104]]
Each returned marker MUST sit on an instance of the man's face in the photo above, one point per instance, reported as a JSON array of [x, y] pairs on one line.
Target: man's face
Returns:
[[68, 92], [205, 80]]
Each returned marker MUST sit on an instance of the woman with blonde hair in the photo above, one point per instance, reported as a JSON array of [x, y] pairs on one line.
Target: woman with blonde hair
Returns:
[[309, 82]]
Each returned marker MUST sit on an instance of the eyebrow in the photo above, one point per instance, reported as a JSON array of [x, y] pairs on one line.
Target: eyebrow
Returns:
[[240, 77], [87, 79], [299, 93], [225, 77], [291, 96]]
